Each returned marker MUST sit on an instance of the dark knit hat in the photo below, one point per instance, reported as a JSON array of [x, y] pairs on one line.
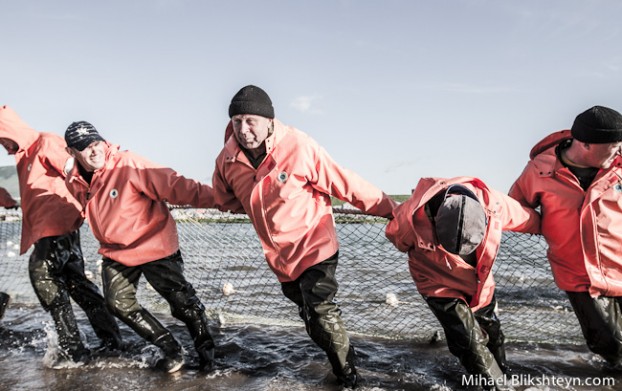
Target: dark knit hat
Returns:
[[598, 125], [81, 134], [460, 221], [251, 100]]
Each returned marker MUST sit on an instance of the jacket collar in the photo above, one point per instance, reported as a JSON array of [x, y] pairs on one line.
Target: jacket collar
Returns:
[[545, 159], [552, 140]]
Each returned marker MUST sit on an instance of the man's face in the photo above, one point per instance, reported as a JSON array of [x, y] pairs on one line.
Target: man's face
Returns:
[[251, 130], [92, 157], [602, 155], [10, 145]]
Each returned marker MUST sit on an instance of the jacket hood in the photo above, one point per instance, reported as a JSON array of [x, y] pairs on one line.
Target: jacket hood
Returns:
[[429, 187], [549, 141], [13, 128], [425, 190]]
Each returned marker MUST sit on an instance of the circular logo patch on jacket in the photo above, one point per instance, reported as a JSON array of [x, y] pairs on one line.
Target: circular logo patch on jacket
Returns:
[[282, 177], [114, 193]]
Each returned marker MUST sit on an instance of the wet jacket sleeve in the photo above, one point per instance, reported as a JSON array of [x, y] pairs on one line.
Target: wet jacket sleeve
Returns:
[[516, 217], [522, 189], [54, 156], [397, 230], [165, 184], [224, 198], [347, 186]]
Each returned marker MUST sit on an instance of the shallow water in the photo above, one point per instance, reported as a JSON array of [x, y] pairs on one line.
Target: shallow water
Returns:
[[261, 344], [270, 358]]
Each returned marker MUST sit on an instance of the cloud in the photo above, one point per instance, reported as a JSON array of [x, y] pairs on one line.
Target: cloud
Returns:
[[304, 104]]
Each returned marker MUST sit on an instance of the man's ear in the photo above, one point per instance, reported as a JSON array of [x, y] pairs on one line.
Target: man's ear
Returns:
[[271, 127], [70, 151], [586, 146], [69, 165]]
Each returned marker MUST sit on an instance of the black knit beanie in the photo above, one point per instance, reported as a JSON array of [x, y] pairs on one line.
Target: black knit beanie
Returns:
[[251, 100], [598, 125]]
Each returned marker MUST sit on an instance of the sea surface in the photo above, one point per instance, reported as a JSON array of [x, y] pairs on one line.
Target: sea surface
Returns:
[[254, 357], [261, 342]]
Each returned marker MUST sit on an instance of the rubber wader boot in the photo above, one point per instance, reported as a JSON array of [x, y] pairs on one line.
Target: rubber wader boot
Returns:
[[68, 333], [148, 327], [499, 355], [346, 374], [173, 359], [495, 375], [4, 302], [105, 327], [203, 342]]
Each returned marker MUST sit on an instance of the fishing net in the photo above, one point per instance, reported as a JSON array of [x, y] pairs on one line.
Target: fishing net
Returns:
[[224, 262]]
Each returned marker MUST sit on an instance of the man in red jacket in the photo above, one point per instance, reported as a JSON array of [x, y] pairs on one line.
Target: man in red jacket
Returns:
[[51, 220], [7, 202], [451, 229], [125, 201], [575, 177], [282, 179]]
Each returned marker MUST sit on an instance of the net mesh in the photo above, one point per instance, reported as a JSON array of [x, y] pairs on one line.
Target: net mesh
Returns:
[[224, 262]]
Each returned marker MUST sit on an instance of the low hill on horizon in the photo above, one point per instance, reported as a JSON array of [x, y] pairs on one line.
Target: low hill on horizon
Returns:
[[8, 180]]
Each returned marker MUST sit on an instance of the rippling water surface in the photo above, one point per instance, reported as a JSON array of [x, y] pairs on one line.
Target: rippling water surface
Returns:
[[269, 358]]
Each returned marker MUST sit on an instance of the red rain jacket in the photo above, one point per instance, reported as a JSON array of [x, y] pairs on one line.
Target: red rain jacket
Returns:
[[126, 206], [582, 228], [288, 198], [438, 273], [48, 209]]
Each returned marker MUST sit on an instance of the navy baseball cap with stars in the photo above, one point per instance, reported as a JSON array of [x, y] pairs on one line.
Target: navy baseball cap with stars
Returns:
[[81, 134]]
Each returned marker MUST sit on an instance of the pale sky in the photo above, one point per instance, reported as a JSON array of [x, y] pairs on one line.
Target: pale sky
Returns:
[[393, 89]]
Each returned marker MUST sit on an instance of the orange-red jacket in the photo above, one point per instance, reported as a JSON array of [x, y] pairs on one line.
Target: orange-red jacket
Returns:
[[126, 208], [48, 209], [582, 228], [6, 200], [438, 273], [288, 198]]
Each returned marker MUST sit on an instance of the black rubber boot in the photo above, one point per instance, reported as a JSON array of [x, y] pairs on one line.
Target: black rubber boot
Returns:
[[499, 354], [203, 342], [494, 374], [346, 374], [68, 333], [4, 302], [148, 327], [173, 359], [106, 328]]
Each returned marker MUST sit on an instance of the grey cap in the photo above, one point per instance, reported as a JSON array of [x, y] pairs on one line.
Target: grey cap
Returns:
[[460, 221]]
